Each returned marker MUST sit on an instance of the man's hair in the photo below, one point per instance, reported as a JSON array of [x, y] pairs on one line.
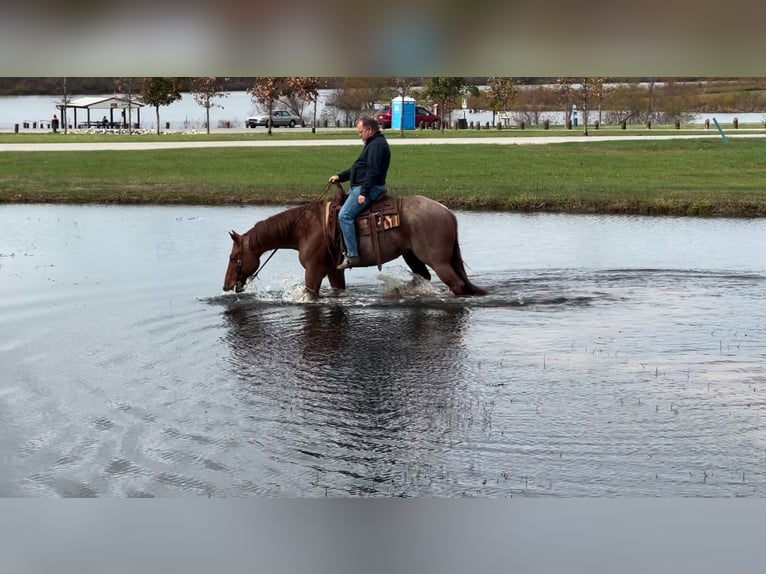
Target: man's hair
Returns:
[[369, 122]]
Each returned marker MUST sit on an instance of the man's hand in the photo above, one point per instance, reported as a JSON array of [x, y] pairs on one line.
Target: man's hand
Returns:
[[334, 179]]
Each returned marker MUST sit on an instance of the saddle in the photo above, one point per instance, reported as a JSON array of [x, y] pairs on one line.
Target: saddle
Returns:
[[379, 216]]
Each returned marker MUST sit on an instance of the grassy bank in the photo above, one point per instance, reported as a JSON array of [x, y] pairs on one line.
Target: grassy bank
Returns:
[[677, 177]]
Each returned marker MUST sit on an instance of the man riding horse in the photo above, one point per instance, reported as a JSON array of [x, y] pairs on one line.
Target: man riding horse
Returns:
[[368, 183]]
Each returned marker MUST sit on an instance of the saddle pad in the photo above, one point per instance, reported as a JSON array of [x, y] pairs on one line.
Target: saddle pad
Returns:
[[382, 222], [385, 213]]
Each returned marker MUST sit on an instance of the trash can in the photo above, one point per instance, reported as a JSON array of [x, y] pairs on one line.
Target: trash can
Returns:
[[462, 124], [403, 113]]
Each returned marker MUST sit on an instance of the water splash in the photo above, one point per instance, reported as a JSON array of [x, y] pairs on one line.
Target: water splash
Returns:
[[294, 291], [407, 286]]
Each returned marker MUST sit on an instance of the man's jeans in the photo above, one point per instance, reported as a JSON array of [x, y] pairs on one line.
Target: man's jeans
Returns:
[[347, 214]]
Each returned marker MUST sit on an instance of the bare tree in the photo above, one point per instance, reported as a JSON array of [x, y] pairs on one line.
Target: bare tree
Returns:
[[673, 99], [567, 97], [355, 96], [127, 86], [403, 87], [266, 91], [307, 89], [205, 90], [626, 101], [64, 103], [650, 100]]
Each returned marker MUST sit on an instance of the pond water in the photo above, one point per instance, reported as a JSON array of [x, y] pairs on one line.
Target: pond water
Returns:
[[613, 356]]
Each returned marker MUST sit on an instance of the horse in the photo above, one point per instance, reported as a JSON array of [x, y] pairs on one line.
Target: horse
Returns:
[[424, 234]]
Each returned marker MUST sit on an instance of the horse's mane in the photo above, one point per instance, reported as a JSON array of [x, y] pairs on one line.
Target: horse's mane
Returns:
[[278, 229]]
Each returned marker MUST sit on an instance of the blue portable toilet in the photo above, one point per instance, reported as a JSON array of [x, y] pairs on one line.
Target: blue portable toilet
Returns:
[[402, 113]]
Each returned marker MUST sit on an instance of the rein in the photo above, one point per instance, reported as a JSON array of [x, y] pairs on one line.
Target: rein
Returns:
[[320, 195]]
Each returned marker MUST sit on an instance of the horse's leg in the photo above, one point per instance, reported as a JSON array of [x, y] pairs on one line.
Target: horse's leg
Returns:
[[452, 273], [337, 279], [417, 266], [313, 280], [450, 278]]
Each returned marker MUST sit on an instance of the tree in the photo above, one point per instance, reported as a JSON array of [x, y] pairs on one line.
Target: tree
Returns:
[[307, 89], [205, 90], [502, 91], [358, 95], [403, 86], [128, 87], [160, 92], [64, 103], [673, 99], [567, 97], [444, 91], [266, 91], [626, 101], [600, 89]]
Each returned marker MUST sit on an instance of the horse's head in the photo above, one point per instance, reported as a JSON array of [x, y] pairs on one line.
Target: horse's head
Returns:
[[243, 262]]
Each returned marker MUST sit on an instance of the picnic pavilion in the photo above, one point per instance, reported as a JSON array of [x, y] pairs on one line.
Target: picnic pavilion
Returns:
[[120, 108]]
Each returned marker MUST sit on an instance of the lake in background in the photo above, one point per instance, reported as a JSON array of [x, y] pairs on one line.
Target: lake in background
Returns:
[[614, 356], [186, 114]]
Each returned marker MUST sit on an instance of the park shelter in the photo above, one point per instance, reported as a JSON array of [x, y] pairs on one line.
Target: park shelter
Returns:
[[117, 106]]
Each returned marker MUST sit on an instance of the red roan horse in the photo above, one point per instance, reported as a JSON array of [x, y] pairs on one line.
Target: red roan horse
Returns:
[[425, 233]]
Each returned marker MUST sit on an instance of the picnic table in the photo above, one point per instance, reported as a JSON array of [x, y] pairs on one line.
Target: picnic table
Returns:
[[100, 124]]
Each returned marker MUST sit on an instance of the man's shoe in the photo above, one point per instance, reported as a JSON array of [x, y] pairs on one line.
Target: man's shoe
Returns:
[[349, 262]]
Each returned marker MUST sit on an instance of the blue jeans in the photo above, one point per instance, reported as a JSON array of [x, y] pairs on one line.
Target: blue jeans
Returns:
[[347, 214]]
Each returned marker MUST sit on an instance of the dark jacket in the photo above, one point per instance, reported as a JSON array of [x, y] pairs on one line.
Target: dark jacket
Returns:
[[371, 167]]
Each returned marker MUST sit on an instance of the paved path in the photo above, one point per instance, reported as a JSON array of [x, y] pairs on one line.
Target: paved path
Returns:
[[393, 140]]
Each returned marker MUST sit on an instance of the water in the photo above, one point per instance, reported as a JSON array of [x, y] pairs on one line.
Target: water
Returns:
[[614, 356], [186, 114]]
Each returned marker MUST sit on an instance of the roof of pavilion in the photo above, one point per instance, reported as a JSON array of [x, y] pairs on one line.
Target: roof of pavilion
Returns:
[[103, 102]]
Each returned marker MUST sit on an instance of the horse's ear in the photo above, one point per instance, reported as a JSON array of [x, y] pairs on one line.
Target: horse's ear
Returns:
[[235, 237]]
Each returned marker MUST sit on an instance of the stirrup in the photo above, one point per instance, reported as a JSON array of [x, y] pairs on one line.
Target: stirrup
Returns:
[[349, 262]]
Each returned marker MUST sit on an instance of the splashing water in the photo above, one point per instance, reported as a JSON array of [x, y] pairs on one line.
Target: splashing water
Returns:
[[407, 286], [294, 291]]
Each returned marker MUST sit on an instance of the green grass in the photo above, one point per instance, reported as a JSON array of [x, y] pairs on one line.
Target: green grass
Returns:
[[679, 177]]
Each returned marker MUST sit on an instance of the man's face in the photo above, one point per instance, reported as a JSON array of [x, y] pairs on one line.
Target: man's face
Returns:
[[363, 132]]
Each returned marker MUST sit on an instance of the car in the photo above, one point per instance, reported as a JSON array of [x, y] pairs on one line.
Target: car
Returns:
[[422, 115], [278, 118]]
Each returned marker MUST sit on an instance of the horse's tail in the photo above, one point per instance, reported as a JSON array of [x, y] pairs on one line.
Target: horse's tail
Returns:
[[457, 265]]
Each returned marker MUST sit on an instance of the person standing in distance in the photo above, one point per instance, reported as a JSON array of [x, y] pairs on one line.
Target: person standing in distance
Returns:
[[367, 177]]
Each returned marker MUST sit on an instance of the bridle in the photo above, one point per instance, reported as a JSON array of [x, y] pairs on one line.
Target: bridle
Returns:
[[263, 264]]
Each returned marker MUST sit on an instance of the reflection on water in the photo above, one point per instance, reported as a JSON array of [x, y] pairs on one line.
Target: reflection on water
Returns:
[[345, 389], [612, 357]]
